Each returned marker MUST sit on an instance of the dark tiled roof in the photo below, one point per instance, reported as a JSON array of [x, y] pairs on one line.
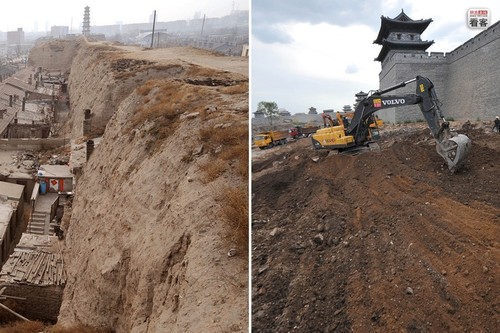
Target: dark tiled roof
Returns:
[[407, 46], [401, 23]]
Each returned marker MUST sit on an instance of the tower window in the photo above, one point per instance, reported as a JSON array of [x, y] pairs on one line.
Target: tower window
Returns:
[[398, 36], [411, 36]]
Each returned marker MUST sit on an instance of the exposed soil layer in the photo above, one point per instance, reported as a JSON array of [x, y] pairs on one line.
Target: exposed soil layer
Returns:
[[385, 241], [152, 243]]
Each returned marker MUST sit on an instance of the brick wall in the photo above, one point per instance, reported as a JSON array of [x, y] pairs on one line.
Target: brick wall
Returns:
[[42, 302], [474, 77], [405, 66], [466, 79]]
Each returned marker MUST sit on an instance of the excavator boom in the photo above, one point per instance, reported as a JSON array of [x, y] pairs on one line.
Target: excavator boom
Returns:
[[452, 147]]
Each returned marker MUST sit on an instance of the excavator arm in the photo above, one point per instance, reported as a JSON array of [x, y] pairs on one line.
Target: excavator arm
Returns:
[[452, 147], [361, 119]]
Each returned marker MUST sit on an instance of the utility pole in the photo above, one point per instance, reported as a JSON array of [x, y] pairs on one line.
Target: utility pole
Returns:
[[203, 24], [153, 33]]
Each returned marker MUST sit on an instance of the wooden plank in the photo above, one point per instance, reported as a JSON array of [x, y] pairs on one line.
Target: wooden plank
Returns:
[[13, 312], [39, 270]]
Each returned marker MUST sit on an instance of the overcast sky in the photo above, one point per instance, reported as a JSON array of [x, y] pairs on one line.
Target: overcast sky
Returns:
[[320, 53], [40, 15]]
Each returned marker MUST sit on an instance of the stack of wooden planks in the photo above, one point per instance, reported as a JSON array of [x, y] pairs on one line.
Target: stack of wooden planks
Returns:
[[34, 265]]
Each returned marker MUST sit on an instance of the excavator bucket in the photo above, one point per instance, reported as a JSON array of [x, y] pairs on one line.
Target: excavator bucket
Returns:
[[454, 150]]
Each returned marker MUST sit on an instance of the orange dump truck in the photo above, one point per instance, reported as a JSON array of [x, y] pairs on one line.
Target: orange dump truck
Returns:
[[270, 139]]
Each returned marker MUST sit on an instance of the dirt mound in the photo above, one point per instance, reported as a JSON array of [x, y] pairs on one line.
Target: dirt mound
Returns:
[[380, 242]]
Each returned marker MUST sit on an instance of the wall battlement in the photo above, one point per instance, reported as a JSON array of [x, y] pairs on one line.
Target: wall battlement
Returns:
[[487, 36], [393, 58]]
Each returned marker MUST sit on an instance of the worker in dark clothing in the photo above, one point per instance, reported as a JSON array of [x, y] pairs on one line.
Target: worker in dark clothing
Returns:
[[497, 124], [345, 120]]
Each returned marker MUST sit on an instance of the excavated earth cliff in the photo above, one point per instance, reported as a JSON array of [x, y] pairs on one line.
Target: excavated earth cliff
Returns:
[[157, 239]]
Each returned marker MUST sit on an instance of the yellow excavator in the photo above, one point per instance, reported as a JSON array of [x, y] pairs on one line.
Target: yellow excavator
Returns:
[[360, 133]]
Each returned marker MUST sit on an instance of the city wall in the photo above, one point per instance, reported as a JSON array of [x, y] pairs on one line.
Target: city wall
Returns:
[[465, 79], [474, 77]]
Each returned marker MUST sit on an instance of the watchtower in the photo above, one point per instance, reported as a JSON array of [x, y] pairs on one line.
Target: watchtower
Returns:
[[403, 56], [401, 34]]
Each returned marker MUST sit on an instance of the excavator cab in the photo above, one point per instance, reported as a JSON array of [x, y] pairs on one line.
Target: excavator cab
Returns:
[[374, 134], [373, 129]]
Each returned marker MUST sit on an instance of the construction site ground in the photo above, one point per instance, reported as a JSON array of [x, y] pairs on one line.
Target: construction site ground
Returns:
[[385, 241]]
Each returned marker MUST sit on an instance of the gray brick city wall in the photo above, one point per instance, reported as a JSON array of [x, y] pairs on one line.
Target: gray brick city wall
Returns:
[[406, 66], [466, 79], [473, 90]]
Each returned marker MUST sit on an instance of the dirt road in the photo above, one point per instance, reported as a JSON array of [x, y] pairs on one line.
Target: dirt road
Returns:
[[190, 55], [379, 242]]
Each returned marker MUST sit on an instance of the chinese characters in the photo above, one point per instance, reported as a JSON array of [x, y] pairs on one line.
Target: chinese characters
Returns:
[[478, 18]]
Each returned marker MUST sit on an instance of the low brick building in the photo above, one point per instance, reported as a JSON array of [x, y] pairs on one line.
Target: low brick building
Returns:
[[34, 274]]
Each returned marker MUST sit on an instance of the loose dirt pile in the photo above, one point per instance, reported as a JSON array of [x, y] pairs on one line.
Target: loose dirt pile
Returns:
[[384, 241]]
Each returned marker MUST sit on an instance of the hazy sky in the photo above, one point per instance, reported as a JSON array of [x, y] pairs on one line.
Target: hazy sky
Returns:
[[40, 15], [320, 53]]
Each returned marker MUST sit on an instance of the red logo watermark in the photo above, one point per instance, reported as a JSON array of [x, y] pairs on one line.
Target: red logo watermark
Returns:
[[478, 18]]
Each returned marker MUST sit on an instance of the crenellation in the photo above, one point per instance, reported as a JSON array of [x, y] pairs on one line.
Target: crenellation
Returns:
[[487, 36]]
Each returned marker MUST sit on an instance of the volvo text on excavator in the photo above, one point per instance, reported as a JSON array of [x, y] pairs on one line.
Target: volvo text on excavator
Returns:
[[453, 147]]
